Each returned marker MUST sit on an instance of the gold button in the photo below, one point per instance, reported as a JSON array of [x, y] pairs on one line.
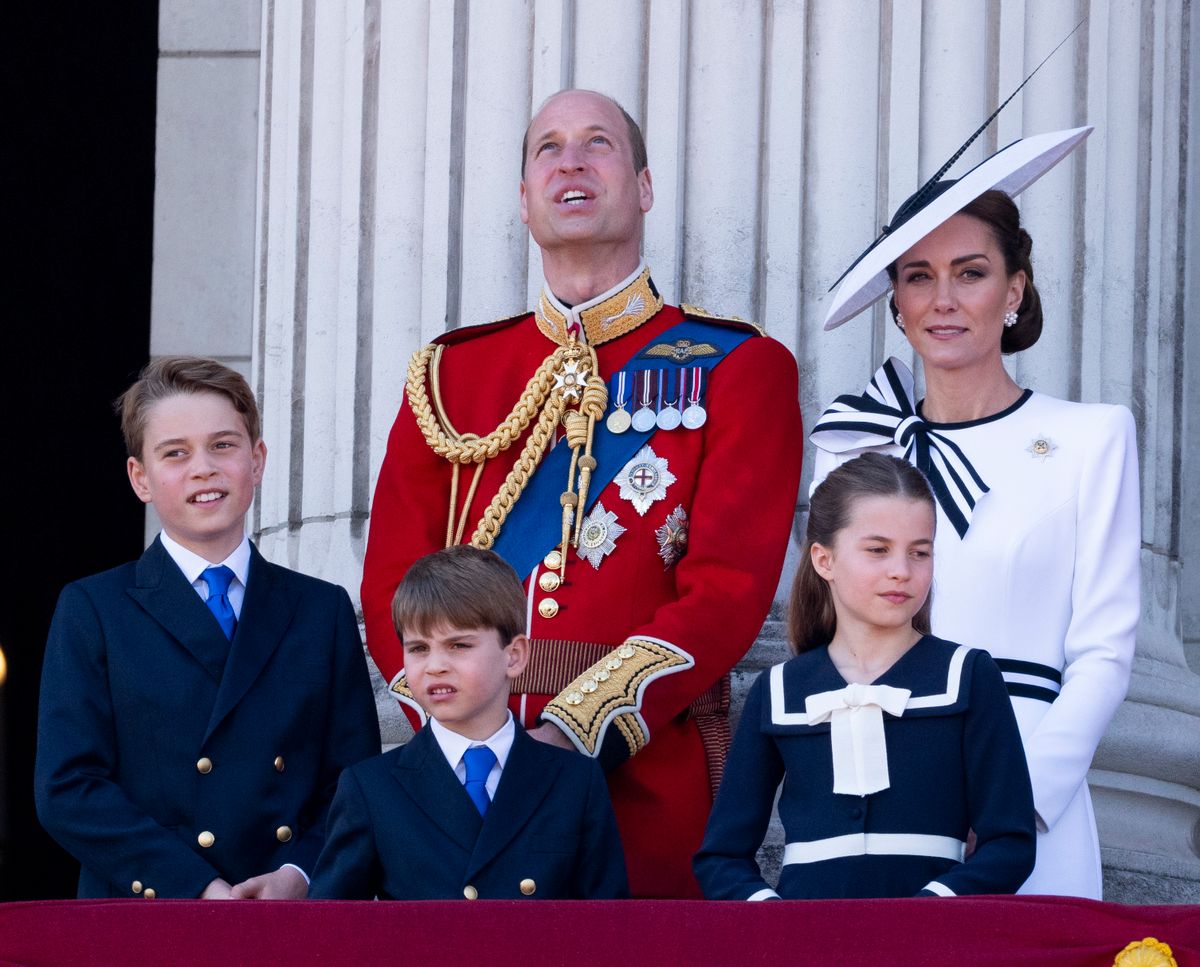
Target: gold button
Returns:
[[279, 763], [470, 892], [204, 766], [206, 839], [553, 560], [549, 581], [137, 886], [149, 894], [283, 833], [528, 887], [548, 607]]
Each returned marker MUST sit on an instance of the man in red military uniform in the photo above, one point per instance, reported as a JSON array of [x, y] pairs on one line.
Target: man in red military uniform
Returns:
[[636, 463]]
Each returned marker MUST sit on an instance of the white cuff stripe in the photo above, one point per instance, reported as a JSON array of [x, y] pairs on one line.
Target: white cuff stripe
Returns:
[[874, 844], [933, 886], [767, 894]]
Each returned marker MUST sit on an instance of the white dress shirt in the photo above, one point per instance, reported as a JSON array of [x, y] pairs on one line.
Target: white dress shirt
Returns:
[[453, 745], [192, 565]]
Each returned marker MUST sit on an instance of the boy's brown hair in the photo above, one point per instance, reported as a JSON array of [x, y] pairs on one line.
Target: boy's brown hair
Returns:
[[179, 376], [463, 587]]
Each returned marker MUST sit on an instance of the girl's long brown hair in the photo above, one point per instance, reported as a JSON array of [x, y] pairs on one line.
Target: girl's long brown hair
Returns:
[[812, 620]]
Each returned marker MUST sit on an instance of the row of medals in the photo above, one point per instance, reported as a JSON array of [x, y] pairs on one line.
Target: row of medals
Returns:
[[667, 415]]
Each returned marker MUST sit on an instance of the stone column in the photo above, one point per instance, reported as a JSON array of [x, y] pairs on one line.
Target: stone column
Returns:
[[780, 137]]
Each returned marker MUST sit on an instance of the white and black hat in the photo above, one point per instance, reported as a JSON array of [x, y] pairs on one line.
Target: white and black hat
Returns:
[[1011, 170]]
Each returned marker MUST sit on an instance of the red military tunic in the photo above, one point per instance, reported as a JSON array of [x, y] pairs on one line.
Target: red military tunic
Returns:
[[681, 621]]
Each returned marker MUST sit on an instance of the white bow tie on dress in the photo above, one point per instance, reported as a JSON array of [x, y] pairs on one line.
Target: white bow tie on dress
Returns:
[[855, 716]]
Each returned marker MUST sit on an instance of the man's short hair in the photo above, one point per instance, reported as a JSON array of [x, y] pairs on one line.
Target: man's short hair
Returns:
[[637, 142], [463, 587], [181, 376]]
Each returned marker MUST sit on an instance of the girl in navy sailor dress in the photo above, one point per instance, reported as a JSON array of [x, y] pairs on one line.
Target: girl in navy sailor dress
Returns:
[[894, 747]]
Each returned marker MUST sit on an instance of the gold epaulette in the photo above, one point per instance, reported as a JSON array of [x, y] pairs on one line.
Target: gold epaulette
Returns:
[[610, 692], [698, 313]]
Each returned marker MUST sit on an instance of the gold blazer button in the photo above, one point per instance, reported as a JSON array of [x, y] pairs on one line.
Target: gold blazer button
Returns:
[[528, 887], [149, 893], [547, 607], [283, 833], [137, 886], [279, 763], [553, 560], [206, 839], [549, 581], [470, 892], [204, 766]]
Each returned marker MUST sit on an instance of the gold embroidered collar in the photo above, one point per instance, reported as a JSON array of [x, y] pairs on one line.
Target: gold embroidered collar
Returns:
[[611, 314]]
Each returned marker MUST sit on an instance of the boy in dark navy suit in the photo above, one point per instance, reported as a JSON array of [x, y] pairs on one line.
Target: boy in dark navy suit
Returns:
[[198, 704], [472, 806]]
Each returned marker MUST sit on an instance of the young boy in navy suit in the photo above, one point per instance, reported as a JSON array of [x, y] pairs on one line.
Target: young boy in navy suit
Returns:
[[198, 704], [472, 806]]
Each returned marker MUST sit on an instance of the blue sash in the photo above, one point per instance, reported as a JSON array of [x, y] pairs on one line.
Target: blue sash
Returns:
[[534, 525]]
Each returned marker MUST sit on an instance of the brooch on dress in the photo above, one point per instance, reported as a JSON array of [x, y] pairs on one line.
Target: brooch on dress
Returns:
[[1041, 448]]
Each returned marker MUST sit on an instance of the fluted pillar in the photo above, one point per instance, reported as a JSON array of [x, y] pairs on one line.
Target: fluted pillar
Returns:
[[781, 136]]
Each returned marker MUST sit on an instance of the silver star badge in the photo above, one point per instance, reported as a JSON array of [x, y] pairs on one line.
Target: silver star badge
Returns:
[[1041, 447], [672, 537], [598, 535], [645, 479], [571, 380]]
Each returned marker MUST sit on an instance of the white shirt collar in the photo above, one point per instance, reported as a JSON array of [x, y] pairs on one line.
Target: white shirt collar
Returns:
[[192, 564], [453, 745], [575, 313]]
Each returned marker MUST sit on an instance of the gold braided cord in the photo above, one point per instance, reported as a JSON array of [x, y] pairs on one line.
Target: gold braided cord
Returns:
[[462, 518], [557, 372], [471, 449], [592, 406], [510, 491]]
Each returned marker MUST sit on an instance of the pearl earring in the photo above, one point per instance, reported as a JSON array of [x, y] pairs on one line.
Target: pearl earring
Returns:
[[900, 322], [1010, 319]]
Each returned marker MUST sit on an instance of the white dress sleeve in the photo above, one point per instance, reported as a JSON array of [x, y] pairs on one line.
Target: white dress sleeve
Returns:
[[1105, 604]]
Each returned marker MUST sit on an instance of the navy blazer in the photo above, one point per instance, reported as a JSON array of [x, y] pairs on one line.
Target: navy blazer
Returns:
[[152, 743], [402, 827]]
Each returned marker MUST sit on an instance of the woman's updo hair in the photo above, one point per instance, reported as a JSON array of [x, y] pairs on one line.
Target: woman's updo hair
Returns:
[[999, 213], [812, 619]]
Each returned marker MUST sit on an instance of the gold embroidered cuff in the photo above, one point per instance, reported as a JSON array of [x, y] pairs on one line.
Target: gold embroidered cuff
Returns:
[[612, 690], [403, 694]]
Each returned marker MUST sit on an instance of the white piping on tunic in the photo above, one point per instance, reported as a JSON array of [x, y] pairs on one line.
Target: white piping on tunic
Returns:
[[874, 844], [933, 886]]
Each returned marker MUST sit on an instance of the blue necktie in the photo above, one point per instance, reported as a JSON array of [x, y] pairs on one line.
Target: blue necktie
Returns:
[[217, 579], [479, 760]]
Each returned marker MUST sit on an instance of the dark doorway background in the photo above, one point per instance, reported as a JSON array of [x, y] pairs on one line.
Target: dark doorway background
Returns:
[[81, 85]]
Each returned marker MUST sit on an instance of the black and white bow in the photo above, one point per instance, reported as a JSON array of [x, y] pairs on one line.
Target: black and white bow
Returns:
[[887, 413]]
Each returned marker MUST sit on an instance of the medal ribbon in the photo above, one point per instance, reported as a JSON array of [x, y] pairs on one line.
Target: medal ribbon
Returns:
[[534, 525], [886, 413]]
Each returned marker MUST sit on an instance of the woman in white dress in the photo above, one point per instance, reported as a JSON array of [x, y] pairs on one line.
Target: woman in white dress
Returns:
[[1039, 530]]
